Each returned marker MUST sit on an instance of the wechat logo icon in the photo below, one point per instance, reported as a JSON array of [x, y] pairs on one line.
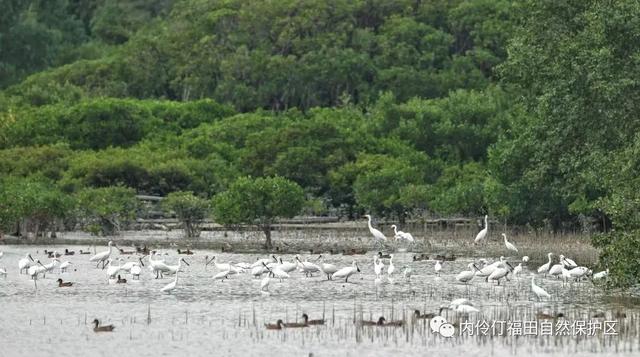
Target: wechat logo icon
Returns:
[[440, 326]]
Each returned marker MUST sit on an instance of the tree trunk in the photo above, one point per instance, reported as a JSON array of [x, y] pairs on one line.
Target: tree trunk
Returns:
[[267, 233]]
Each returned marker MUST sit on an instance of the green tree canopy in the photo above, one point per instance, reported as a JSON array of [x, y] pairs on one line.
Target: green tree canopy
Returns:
[[258, 202]]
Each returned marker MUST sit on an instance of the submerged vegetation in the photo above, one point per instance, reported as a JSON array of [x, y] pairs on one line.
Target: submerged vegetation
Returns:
[[523, 110]]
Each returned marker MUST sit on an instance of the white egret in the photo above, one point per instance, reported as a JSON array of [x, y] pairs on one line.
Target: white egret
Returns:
[[483, 233], [346, 272], [377, 268], [525, 259], [517, 270], [401, 235], [49, 267], [135, 271], [509, 245], [112, 270], [544, 268], [391, 268], [438, 267], [25, 263], [466, 276], [377, 235], [556, 269], [171, 286], [407, 272], [540, 292], [326, 268], [264, 285], [102, 257], [489, 268]]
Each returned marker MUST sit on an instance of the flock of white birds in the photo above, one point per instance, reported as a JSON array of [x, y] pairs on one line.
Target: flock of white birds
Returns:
[[275, 268]]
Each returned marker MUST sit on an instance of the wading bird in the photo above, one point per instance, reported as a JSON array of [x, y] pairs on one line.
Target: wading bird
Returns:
[[346, 272], [377, 235], [540, 292], [327, 269], [509, 245], [102, 257], [466, 276], [25, 263], [171, 286], [483, 233], [402, 235], [544, 268]]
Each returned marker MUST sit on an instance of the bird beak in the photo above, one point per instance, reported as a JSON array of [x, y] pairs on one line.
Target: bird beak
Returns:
[[30, 257], [274, 258], [510, 266], [186, 262], [357, 267], [475, 266], [319, 257], [141, 263]]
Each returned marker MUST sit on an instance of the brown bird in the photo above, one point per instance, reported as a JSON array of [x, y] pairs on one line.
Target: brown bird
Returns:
[[69, 252], [62, 284], [81, 252], [545, 316], [276, 326], [98, 328], [187, 252], [380, 322], [429, 315], [121, 280], [312, 322]]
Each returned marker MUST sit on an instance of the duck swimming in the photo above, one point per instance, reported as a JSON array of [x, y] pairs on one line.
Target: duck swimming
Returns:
[[276, 326], [62, 284], [105, 328]]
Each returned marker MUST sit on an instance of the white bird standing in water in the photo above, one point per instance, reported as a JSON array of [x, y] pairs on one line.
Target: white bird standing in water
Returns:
[[25, 263], [407, 272], [391, 269], [544, 268], [483, 233], [540, 292], [402, 235], [172, 285], [379, 237], [64, 266], [466, 276], [346, 272], [135, 271], [517, 270], [326, 268], [509, 245], [377, 268], [438, 267], [102, 257]]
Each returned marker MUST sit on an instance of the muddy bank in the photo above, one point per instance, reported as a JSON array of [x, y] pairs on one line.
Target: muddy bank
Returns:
[[291, 240]]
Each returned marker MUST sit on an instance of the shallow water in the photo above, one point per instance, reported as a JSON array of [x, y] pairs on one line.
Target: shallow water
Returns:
[[203, 317]]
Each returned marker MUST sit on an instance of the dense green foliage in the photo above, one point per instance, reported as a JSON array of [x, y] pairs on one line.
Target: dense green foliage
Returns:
[[105, 210], [524, 110], [190, 210], [258, 202]]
